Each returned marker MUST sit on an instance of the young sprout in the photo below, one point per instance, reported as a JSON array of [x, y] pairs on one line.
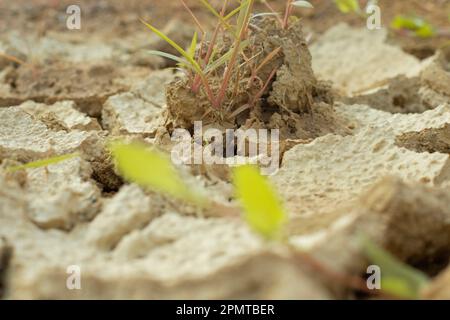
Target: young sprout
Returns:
[[347, 6], [152, 169], [419, 26], [263, 210]]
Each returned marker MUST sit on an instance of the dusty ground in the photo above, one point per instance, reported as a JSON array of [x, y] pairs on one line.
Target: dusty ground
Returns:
[[374, 161]]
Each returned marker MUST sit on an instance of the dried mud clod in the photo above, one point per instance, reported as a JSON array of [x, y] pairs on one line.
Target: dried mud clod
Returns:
[[401, 96], [88, 85], [429, 140], [263, 275], [425, 90], [437, 75], [289, 101]]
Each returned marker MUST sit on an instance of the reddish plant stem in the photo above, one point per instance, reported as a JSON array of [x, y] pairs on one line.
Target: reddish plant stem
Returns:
[[197, 22], [208, 90], [233, 60], [352, 282], [236, 85], [271, 9], [261, 92], [287, 14], [197, 79]]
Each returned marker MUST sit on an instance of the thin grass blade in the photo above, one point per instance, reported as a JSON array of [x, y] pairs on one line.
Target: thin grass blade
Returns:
[[43, 162], [172, 43], [224, 58]]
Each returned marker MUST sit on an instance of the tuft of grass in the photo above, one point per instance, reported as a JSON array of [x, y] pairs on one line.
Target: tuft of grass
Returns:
[[204, 58]]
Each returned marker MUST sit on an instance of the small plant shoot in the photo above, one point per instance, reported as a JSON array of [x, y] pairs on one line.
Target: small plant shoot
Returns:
[[417, 25], [151, 169], [263, 210], [348, 6]]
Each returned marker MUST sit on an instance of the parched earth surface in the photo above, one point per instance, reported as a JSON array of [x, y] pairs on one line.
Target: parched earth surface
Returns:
[[382, 170]]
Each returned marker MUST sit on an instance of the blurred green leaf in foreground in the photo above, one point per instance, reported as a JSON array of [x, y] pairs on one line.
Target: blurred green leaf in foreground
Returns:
[[263, 210], [418, 25], [151, 169], [347, 6], [397, 279]]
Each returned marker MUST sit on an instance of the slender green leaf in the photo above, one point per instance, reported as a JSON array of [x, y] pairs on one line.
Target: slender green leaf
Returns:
[[263, 210], [397, 278], [225, 58], [215, 13], [193, 46], [243, 17], [186, 55], [43, 162], [169, 56], [191, 51], [151, 169], [237, 10]]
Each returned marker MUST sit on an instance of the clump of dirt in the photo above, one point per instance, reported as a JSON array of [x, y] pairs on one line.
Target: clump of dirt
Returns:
[[437, 75], [293, 100], [428, 140], [427, 90], [104, 173]]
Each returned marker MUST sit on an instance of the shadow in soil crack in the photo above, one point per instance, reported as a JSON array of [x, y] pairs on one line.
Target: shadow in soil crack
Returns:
[[5, 256]]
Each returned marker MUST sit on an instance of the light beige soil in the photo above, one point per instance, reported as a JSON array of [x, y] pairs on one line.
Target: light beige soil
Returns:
[[368, 154]]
